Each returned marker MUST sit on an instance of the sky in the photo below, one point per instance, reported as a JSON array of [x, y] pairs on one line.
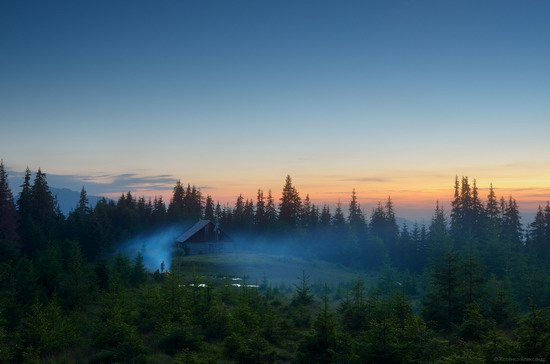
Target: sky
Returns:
[[392, 98]]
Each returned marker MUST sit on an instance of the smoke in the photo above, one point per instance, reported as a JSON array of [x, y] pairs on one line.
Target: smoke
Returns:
[[156, 247]]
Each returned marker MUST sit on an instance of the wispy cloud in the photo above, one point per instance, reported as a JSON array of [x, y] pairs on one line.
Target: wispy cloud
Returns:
[[103, 183]]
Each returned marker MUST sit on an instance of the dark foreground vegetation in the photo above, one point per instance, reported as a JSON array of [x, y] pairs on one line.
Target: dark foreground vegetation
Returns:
[[471, 287]]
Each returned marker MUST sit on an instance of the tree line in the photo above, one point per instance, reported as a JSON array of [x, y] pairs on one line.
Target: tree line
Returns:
[[469, 286]]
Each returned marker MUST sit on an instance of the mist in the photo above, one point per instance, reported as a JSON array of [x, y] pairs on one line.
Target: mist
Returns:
[[156, 247]]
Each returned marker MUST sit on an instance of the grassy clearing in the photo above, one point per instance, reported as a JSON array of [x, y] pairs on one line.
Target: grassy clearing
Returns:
[[277, 269]]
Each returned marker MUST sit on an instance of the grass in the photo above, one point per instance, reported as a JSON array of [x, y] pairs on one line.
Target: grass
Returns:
[[277, 269]]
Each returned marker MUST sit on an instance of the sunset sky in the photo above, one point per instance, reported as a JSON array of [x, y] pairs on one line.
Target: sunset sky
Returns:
[[387, 97]]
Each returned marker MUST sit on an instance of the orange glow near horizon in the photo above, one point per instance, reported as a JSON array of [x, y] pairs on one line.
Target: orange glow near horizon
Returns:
[[416, 201]]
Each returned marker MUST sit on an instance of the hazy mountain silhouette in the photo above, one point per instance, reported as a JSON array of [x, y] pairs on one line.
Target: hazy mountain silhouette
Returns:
[[68, 199]]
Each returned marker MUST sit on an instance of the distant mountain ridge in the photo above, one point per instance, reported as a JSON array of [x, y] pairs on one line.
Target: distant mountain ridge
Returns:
[[68, 199]]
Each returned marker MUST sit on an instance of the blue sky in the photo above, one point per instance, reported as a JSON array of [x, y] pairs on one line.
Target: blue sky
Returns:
[[388, 97]]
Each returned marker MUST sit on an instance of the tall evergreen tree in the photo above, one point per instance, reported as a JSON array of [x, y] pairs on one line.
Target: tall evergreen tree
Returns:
[[326, 217], [442, 304], [8, 212], [144, 211], [260, 218], [338, 219], [378, 221], [313, 218], [194, 203], [176, 208], [218, 214], [158, 215], [478, 213], [512, 230], [209, 208], [83, 202], [79, 224], [43, 213], [270, 211], [24, 201], [238, 213], [248, 215], [305, 213], [26, 227], [537, 239], [290, 206], [391, 224], [456, 210], [492, 217], [356, 218], [473, 281]]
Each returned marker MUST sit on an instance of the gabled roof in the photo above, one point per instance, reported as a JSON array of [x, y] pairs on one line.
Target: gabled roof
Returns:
[[193, 230]]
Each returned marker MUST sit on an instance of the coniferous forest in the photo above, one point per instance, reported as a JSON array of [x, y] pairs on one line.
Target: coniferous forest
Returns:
[[471, 286]]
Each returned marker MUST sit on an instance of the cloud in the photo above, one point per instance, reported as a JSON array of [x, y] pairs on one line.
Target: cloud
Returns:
[[102, 183]]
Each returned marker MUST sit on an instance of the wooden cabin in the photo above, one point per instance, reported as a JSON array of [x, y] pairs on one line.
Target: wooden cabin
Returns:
[[205, 237]]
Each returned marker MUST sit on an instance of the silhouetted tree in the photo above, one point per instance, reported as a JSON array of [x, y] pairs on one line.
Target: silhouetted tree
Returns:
[[260, 218], [305, 213], [248, 215], [512, 230], [302, 294], [238, 213], [209, 208], [79, 224], [338, 219], [290, 206], [8, 212], [271, 211], [533, 334], [356, 218], [325, 218], [176, 208], [218, 215], [537, 242], [441, 304], [139, 272], [159, 214]]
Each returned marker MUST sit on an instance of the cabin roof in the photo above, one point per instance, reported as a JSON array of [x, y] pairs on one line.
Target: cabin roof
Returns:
[[199, 225]]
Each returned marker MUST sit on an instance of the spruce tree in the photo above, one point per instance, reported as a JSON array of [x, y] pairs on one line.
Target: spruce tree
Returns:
[[338, 219], [325, 218], [442, 304], [209, 209], [238, 213], [218, 212], [356, 218], [378, 221], [260, 218], [270, 211], [24, 202], [195, 204], [492, 211], [512, 230], [8, 212], [83, 206], [392, 230], [158, 215], [305, 214], [290, 206], [536, 242], [478, 214], [456, 210], [248, 215], [176, 208], [43, 213]]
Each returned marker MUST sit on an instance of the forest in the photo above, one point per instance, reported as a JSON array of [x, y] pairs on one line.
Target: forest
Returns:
[[471, 286]]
